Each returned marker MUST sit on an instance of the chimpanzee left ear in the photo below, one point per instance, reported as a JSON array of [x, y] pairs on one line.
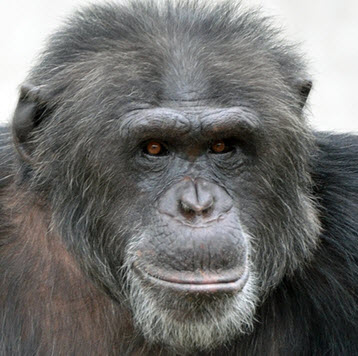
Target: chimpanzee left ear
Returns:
[[304, 87], [28, 114]]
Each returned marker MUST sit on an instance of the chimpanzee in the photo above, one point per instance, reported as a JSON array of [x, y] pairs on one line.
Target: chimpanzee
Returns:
[[161, 193]]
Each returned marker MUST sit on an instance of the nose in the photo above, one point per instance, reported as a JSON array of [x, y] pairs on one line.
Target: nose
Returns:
[[195, 199]]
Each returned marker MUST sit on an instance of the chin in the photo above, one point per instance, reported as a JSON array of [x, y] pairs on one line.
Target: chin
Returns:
[[186, 322]]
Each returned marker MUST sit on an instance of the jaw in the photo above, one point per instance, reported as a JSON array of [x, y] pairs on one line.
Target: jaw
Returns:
[[191, 309], [191, 321]]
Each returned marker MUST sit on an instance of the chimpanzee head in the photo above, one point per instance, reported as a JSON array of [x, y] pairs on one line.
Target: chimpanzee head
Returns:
[[170, 147]]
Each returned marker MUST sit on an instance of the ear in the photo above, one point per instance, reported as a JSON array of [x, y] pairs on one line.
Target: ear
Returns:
[[28, 114], [304, 87]]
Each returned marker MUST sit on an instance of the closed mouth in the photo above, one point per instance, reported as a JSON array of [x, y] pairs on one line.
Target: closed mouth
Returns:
[[209, 284]]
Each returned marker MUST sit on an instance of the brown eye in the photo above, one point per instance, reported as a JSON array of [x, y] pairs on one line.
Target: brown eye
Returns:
[[219, 147], [154, 148]]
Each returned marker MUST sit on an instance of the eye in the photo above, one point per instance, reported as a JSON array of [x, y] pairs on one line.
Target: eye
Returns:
[[221, 146], [155, 148]]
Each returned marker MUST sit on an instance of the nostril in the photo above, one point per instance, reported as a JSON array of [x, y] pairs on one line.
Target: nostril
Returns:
[[186, 211], [190, 210], [207, 211], [206, 205]]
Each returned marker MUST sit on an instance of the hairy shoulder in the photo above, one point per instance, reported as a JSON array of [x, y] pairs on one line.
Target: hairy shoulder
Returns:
[[335, 174], [6, 156], [336, 164]]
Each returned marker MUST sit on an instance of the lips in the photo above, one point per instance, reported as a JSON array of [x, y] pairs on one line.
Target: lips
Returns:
[[199, 282]]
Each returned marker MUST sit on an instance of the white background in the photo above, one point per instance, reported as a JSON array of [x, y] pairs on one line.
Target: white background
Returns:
[[327, 29]]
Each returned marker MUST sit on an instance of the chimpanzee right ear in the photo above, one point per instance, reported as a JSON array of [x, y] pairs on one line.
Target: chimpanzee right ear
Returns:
[[304, 88], [28, 114]]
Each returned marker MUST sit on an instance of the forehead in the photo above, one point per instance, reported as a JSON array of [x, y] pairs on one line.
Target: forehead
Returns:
[[126, 56], [136, 80], [178, 67]]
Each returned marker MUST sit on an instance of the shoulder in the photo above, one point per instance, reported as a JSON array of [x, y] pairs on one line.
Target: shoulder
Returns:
[[335, 170], [6, 155]]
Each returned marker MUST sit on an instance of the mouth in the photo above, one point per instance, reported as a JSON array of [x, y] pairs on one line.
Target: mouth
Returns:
[[204, 283]]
